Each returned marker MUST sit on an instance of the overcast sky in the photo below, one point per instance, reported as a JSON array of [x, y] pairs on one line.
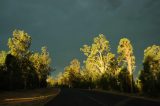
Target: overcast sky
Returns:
[[65, 25]]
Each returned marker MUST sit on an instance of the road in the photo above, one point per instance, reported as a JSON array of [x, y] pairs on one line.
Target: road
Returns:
[[76, 97]]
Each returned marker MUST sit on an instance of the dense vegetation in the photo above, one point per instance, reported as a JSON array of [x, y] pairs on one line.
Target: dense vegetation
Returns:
[[104, 70], [21, 68]]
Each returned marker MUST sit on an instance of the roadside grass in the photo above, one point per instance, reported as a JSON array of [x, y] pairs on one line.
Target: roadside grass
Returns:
[[35, 97]]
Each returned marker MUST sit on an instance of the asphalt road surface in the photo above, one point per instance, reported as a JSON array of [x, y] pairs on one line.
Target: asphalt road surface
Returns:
[[76, 97]]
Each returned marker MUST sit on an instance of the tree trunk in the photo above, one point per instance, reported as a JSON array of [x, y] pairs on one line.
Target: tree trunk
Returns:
[[129, 67]]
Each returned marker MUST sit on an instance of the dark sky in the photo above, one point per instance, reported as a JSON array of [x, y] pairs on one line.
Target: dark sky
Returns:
[[65, 25]]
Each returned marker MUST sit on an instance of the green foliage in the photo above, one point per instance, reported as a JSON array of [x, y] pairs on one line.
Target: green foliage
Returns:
[[108, 82], [126, 59], [19, 43], [124, 80], [150, 75], [74, 66], [96, 54], [88, 78], [152, 52], [20, 68], [101, 63], [41, 63], [3, 55], [50, 81], [101, 68], [70, 77], [125, 51]]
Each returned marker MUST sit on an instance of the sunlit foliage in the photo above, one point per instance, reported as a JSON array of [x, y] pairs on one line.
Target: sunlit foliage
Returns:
[[126, 60], [19, 43], [73, 72], [101, 63], [125, 51], [96, 54], [41, 63], [150, 75], [3, 55], [50, 81], [19, 67]]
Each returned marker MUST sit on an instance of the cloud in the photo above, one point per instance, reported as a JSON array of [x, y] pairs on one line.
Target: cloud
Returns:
[[65, 25], [115, 3], [151, 3]]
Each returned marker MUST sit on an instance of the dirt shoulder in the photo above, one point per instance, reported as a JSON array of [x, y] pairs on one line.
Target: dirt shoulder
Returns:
[[35, 97]]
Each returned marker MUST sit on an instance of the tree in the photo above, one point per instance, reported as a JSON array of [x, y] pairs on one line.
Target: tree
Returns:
[[75, 65], [73, 72], [42, 66], [14, 75], [126, 57], [109, 79], [20, 68], [59, 79], [96, 54], [19, 44], [100, 60], [150, 75], [3, 55], [3, 77], [50, 81]]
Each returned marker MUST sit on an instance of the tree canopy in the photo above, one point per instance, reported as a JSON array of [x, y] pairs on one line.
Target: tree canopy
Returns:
[[19, 67]]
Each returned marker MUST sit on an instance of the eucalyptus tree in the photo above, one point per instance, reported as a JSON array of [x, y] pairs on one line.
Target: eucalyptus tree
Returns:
[[97, 54], [73, 72], [19, 44], [100, 60], [126, 58], [41, 62], [150, 75]]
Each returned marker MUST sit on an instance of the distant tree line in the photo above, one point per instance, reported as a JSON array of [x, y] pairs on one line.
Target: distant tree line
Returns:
[[104, 70], [21, 68]]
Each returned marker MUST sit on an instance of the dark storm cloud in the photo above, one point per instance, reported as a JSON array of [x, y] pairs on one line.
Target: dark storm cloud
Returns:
[[115, 3], [151, 3], [65, 25]]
